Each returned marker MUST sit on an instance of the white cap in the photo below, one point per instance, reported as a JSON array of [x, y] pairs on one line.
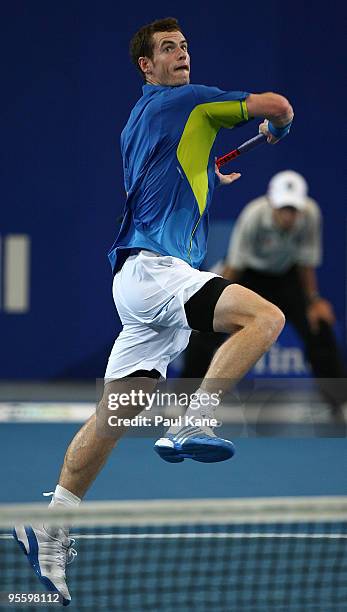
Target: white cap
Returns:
[[287, 188]]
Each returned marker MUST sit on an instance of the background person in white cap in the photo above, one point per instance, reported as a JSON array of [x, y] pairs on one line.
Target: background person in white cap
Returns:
[[274, 250]]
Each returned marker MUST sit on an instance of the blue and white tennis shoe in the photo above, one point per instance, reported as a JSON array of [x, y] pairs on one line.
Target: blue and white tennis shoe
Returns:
[[48, 552], [197, 443]]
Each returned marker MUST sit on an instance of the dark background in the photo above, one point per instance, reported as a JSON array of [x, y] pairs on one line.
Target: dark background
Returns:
[[67, 89]]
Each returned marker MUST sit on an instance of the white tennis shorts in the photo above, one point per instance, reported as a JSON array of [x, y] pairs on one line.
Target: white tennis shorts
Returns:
[[149, 292]]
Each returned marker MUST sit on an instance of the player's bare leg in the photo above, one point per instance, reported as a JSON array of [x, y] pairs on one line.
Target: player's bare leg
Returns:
[[255, 325], [48, 548], [94, 442]]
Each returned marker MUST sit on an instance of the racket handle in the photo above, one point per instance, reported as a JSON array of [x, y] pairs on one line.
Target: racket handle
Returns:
[[252, 143], [243, 148]]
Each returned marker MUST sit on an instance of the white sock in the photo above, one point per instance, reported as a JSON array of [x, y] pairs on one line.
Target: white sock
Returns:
[[63, 497], [199, 408], [204, 404]]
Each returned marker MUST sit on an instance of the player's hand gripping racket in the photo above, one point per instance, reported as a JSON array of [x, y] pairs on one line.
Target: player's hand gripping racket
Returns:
[[243, 148]]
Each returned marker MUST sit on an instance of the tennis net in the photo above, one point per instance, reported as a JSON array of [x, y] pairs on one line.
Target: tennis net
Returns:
[[221, 555]]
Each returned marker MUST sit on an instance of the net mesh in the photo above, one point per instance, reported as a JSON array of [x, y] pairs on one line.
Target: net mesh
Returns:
[[220, 555]]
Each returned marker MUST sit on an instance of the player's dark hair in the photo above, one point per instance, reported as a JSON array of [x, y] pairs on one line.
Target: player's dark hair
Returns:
[[142, 43]]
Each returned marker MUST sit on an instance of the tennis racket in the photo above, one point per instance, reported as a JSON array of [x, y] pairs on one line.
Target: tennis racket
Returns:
[[243, 148]]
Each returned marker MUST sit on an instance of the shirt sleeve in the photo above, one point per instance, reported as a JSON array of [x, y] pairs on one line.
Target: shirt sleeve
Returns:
[[125, 166], [310, 249], [241, 244], [126, 176], [224, 108]]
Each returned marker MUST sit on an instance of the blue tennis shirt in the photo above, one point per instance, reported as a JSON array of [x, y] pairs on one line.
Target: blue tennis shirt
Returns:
[[169, 169]]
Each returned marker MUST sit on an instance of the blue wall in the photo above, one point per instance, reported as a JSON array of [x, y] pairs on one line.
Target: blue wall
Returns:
[[68, 87]]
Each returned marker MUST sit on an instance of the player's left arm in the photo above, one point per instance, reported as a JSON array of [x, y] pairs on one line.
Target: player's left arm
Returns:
[[227, 113], [226, 179]]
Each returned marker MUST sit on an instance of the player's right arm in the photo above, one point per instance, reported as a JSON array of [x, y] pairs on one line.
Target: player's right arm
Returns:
[[275, 108]]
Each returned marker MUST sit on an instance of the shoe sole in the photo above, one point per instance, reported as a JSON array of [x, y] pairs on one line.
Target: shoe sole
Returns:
[[33, 559], [203, 452]]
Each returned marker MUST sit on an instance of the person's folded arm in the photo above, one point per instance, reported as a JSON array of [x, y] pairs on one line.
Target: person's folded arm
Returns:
[[277, 111], [231, 274], [318, 308]]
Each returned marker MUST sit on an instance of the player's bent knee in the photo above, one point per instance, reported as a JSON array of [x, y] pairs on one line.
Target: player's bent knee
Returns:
[[239, 307], [272, 321]]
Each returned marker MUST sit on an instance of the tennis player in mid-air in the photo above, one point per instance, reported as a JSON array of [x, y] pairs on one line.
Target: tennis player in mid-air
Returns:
[[160, 294]]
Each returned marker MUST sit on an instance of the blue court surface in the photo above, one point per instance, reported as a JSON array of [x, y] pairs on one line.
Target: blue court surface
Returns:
[[32, 454], [261, 567]]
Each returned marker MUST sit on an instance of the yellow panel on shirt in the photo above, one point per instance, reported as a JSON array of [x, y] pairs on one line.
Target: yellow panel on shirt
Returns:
[[199, 134]]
